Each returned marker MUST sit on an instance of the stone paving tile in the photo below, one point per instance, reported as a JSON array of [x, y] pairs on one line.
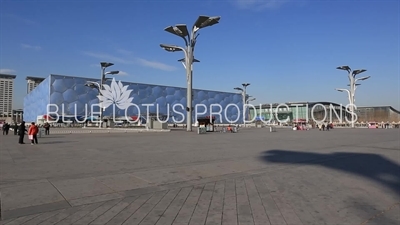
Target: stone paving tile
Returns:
[[173, 209], [93, 199], [154, 215], [189, 205], [255, 200], [42, 217], [122, 182], [286, 209], [93, 215], [200, 213], [78, 215], [79, 188], [245, 216], [274, 214], [229, 211], [62, 215], [124, 214], [112, 212], [214, 215], [20, 220], [29, 195], [259, 215], [145, 209], [311, 203], [312, 183]]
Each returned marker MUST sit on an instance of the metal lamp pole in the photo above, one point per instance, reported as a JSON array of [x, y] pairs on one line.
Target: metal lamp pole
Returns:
[[353, 86], [244, 99], [104, 65], [190, 42], [247, 102], [351, 102], [93, 85]]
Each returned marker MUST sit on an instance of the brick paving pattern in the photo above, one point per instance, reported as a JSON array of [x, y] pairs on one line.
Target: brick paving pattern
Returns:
[[333, 180]]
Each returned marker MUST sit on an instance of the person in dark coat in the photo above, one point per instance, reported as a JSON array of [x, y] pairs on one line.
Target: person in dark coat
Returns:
[[6, 127], [21, 132], [47, 128], [15, 127]]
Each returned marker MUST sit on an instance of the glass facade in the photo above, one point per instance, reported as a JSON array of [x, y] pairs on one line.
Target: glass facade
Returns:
[[290, 112], [65, 95], [378, 114]]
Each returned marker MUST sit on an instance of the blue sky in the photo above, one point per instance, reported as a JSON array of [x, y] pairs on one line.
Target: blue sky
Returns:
[[287, 50]]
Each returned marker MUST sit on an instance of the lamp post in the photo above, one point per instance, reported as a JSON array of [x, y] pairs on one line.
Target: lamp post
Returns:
[[247, 102], [349, 95], [93, 84], [250, 100], [190, 42], [244, 99], [103, 79], [353, 86]]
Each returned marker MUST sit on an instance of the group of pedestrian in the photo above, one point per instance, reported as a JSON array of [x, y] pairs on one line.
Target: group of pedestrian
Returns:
[[324, 127], [6, 128], [21, 131], [32, 132]]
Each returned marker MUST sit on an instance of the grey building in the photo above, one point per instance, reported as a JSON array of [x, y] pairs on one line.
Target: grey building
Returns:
[[378, 114], [6, 94], [32, 83]]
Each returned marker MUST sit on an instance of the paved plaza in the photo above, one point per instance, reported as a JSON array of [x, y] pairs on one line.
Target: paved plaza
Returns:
[[341, 176]]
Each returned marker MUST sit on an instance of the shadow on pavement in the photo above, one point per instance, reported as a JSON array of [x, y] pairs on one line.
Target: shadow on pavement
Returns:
[[55, 142], [58, 136], [371, 166]]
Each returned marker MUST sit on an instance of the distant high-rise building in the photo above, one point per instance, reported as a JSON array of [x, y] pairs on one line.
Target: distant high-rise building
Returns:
[[33, 82], [6, 94]]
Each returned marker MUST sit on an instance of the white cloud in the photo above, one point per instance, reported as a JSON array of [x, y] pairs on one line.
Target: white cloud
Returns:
[[107, 57], [155, 65], [122, 73], [7, 71], [123, 51], [124, 60], [259, 4], [21, 19], [26, 46]]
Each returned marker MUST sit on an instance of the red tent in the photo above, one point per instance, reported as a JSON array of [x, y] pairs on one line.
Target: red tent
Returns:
[[300, 121]]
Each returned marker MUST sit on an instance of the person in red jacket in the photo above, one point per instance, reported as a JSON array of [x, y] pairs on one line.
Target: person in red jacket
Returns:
[[32, 132]]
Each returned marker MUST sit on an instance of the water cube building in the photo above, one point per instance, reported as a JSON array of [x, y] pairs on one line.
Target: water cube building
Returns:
[[69, 96]]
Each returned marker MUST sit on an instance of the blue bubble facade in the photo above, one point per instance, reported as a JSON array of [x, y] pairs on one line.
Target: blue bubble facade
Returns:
[[67, 95]]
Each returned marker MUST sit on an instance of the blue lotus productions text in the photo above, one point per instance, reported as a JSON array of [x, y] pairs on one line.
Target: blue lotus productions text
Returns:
[[212, 111]]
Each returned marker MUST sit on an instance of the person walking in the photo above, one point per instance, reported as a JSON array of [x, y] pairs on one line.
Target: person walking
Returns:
[[15, 127], [6, 128], [47, 128], [21, 132], [32, 132]]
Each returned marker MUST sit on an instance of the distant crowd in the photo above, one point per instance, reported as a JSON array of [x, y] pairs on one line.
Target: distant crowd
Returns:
[[32, 130]]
